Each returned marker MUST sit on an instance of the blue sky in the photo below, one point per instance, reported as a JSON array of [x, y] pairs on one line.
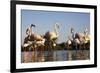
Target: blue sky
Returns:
[[45, 20]]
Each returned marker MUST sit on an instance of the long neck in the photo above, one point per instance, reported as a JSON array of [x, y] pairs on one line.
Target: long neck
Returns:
[[29, 31], [85, 31], [72, 33], [56, 29]]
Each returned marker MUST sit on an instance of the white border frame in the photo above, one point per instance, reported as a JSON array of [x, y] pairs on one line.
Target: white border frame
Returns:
[[20, 65]]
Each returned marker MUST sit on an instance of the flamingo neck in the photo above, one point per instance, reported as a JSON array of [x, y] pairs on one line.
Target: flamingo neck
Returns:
[[56, 29]]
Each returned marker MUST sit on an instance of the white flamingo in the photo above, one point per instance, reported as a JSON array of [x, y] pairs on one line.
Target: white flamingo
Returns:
[[52, 36], [33, 38], [79, 38]]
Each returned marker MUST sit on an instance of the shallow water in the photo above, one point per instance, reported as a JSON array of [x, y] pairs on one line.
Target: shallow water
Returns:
[[58, 55]]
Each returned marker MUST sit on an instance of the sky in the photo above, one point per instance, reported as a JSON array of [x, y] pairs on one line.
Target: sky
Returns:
[[45, 20]]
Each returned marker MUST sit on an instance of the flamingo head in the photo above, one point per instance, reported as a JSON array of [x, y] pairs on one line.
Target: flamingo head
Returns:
[[32, 25]]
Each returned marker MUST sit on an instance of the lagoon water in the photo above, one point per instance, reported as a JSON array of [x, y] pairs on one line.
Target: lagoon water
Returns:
[[58, 55]]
